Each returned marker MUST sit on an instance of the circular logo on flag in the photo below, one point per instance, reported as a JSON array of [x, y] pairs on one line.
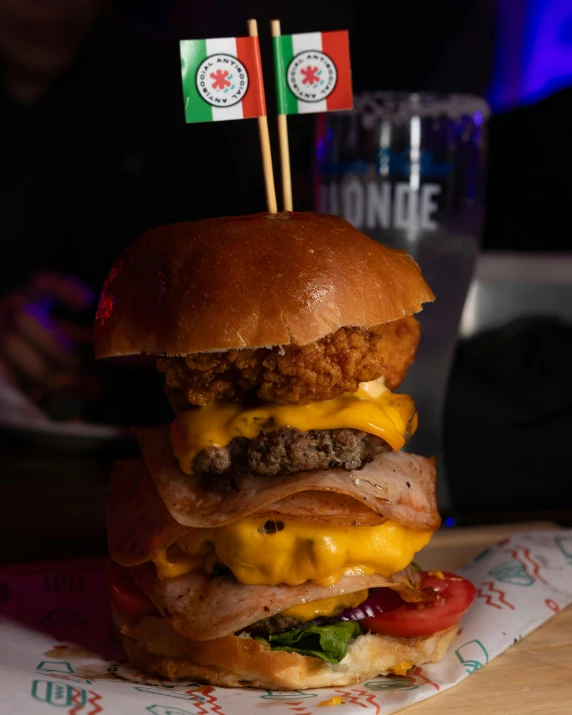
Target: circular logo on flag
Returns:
[[222, 80], [312, 76]]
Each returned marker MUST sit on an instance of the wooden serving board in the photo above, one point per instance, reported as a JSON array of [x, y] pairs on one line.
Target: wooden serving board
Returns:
[[532, 677]]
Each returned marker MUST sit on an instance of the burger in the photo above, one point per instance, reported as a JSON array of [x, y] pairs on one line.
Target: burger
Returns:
[[266, 537]]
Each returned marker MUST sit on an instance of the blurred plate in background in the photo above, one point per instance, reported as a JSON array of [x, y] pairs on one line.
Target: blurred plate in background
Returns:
[[19, 415]]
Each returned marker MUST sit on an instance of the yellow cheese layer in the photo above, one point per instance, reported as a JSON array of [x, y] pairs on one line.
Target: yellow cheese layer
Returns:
[[373, 409], [336, 700], [296, 552], [176, 563], [326, 606], [402, 667]]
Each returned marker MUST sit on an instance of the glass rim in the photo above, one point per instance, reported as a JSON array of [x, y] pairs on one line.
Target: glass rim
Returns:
[[402, 106]]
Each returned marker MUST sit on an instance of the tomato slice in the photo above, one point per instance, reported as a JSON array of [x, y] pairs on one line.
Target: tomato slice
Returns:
[[454, 596], [124, 593]]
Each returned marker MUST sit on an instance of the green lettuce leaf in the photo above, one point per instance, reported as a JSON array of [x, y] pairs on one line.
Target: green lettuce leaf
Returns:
[[329, 642]]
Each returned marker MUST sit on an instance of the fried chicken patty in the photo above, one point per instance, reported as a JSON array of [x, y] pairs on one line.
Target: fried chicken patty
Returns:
[[286, 451], [293, 374]]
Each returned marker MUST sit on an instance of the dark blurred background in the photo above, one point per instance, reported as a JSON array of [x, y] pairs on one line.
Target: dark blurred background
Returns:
[[94, 150]]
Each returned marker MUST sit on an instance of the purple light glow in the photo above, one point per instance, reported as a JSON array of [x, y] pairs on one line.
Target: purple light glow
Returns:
[[534, 51]]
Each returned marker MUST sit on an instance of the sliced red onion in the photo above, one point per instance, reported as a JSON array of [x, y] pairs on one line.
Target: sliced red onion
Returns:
[[380, 601]]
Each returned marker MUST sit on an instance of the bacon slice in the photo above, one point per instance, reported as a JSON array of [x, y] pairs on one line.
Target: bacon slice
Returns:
[[202, 607], [395, 486]]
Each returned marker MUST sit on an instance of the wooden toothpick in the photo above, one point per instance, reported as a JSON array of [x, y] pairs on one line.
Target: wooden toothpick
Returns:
[[284, 144], [265, 145]]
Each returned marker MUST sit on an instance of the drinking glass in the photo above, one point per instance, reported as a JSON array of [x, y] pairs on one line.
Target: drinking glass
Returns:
[[407, 169]]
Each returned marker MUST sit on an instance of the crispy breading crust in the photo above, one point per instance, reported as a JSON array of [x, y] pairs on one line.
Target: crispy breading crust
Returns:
[[293, 374]]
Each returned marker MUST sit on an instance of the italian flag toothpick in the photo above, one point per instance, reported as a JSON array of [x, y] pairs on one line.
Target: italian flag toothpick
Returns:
[[313, 72], [222, 79]]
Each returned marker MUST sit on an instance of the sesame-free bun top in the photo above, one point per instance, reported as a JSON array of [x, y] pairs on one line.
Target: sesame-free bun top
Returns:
[[251, 281]]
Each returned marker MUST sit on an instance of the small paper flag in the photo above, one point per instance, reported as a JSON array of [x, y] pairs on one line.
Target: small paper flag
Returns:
[[222, 79], [313, 72]]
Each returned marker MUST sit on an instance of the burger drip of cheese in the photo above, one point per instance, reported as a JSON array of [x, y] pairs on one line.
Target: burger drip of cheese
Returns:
[[264, 534]]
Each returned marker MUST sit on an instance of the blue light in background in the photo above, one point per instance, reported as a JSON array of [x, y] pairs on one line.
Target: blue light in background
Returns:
[[533, 53], [548, 48], [449, 521]]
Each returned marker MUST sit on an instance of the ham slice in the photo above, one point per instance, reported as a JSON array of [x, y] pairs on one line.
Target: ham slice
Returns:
[[139, 525], [324, 507], [395, 486], [202, 607]]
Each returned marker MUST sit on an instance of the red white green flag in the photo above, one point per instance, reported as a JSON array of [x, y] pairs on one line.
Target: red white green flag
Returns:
[[222, 79], [313, 72]]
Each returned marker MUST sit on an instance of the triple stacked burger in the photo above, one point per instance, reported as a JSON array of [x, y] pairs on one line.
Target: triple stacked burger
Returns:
[[266, 537]]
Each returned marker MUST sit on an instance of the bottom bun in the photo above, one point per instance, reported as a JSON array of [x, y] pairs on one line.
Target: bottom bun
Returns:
[[236, 661]]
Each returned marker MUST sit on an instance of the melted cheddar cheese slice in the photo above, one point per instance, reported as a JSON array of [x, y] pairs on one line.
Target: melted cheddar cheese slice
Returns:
[[296, 552], [373, 409], [326, 607]]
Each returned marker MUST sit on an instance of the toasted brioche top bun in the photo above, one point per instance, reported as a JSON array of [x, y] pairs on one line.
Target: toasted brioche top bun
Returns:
[[251, 281], [233, 661]]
